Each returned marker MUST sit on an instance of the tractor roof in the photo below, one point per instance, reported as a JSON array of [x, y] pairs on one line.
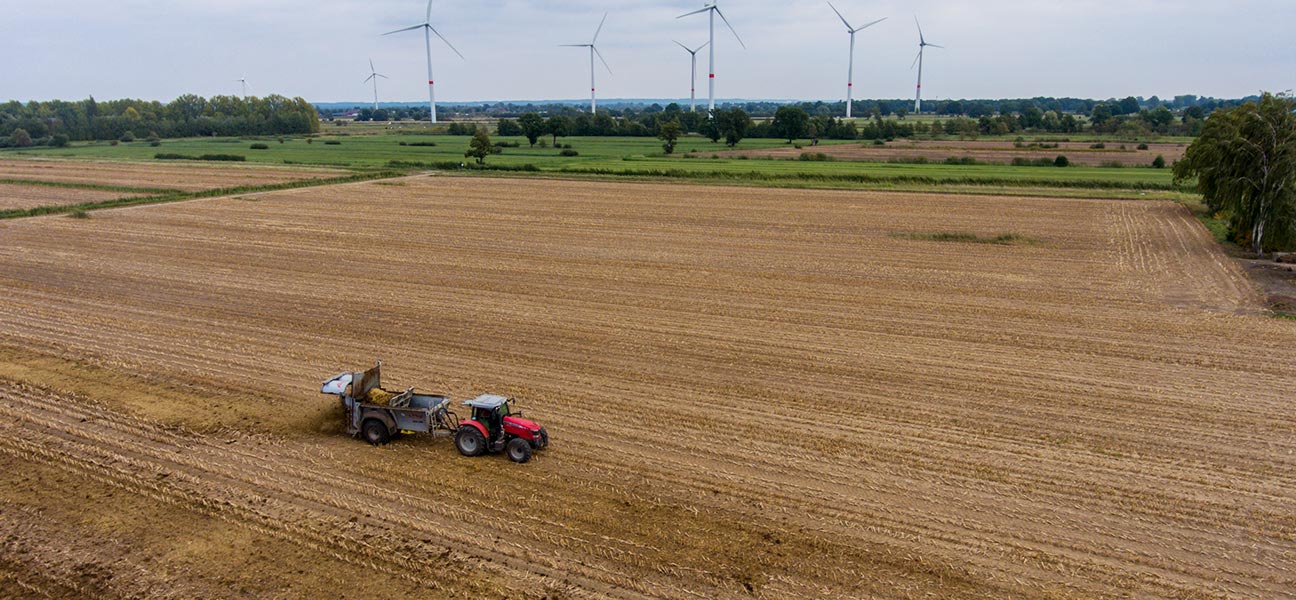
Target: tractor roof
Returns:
[[487, 401]]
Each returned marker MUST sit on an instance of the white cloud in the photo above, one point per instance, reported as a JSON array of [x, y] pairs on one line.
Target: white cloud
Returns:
[[319, 49]]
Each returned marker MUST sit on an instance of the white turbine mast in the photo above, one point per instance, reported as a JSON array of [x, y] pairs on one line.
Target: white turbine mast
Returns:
[[243, 82], [692, 73], [922, 43], [374, 75], [593, 50], [428, 30], [712, 11], [850, 63]]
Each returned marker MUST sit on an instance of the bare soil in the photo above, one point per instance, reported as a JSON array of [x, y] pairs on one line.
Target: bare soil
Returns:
[[31, 196], [751, 393], [185, 176]]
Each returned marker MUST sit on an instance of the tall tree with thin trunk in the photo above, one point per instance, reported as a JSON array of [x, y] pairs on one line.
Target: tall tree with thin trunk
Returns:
[[1245, 165]]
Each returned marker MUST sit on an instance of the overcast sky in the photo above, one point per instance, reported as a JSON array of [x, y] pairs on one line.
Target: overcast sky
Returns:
[[796, 49]]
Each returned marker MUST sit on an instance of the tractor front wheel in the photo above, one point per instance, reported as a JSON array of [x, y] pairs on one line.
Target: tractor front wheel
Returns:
[[519, 450], [375, 432], [470, 441]]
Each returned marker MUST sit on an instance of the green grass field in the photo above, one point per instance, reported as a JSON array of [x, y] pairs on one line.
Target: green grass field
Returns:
[[626, 157]]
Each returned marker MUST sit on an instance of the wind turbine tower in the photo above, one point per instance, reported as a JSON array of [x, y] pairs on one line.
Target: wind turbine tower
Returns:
[[374, 75], [428, 30], [922, 43], [850, 63], [593, 50], [712, 11], [243, 83], [693, 74]]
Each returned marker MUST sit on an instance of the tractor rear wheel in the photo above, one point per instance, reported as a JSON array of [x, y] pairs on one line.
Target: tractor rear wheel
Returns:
[[470, 441], [519, 450], [375, 432]]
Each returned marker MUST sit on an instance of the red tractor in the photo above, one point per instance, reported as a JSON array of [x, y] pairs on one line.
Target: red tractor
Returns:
[[377, 415], [493, 426]]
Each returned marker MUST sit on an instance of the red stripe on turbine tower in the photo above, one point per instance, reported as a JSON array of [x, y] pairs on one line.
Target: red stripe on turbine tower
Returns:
[[848, 84], [429, 83]]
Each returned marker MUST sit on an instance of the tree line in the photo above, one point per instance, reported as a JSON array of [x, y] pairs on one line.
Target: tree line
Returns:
[[57, 121]]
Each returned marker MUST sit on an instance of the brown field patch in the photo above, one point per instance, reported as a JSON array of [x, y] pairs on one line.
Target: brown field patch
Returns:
[[991, 152], [186, 176], [750, 391], [30, 196]]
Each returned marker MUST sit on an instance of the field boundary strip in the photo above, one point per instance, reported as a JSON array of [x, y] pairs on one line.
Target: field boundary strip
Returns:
[[89, 186]]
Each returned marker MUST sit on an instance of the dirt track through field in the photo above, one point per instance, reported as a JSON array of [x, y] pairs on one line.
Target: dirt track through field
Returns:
[[186, 176], [750, 391]]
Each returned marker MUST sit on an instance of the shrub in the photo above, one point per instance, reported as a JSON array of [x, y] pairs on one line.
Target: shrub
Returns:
[[112, 143], [1098, 146], [797, 146], [568, 152], [155, 143], [223, 157], [310, 140], [1061, 161], [58, 140], [129, 136], [960, 160], [815, 156], [879, 143], [419, 144], [332, 143], [1112, 164], [79, 213], [1158, 162], [153, 137], [280, 138], [259, 147], [1142, 146]]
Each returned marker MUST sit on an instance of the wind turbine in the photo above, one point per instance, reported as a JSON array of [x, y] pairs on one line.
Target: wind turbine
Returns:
[[922, 43], [243, 81], [374, 75], [428, 30], [850, 64], [592, 51], [713, 10], [693, 76]]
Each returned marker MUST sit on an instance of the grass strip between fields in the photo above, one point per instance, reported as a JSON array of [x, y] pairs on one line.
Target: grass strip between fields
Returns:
[[90, 186], [1002, 239], [866, 181], [176, 196]]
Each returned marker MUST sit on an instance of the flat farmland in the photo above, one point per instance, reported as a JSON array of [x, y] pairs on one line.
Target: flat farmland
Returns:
[[185, 176], [30, 196], [989, 151], [751, 392]]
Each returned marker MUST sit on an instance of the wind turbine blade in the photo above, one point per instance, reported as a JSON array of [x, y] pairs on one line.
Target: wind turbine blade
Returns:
[[447, 42], [420, 25], [367, 79], [573, 45], [371, 67], [700, 10], [428, 19], [731, 29], [839, 16], [699, 48], [915, 62], [686, 48], [600, 28], [381, 75], [934, 46], [600, 55], [867, 25], [920, 35]]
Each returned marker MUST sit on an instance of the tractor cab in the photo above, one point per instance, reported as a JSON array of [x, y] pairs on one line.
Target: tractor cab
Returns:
[[493, 426]]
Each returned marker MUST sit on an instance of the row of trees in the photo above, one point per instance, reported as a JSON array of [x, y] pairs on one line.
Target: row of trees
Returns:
[[186, 116]]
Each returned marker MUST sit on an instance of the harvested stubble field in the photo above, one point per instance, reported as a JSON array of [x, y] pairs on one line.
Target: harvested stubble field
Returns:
[[187, 177], [751, 392], [991, 152], [31, 196]]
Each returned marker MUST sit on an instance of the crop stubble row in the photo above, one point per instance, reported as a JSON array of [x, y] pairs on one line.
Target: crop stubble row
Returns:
[[723, 366]]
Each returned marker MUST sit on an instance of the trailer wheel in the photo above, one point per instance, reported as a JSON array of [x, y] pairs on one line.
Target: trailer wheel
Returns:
[[469, 441], [519, 450], [375, 432]]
